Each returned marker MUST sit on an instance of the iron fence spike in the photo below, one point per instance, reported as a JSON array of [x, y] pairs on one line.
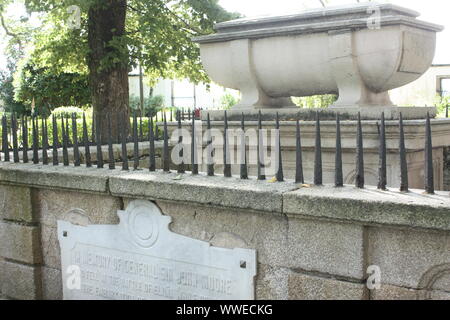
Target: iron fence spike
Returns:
[[260, 149], [111, 159], [226, 148], [244, 168], [404, 183], [135, 143], [44, 142], [35, 141], [338, 177], [123, 139], [166, 163], [98, 138], [382, 172], [15, 140], [194, 161], [55, 141], [152, 156], [429, 174], [359, 155], [25, 139], [87, 149], [210, 160], [76, 150], [318, 154], [280, 174]]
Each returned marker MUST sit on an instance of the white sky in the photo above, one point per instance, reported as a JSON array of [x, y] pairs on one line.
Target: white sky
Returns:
[[436, 11]]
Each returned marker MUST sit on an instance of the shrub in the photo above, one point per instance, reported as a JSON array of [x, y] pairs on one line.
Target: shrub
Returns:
[[67, 112], [151, 104], [227, 101], [441, 105], [318, 101]]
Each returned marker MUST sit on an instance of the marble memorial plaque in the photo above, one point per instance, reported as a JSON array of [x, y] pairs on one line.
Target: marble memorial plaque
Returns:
[[140, 258]]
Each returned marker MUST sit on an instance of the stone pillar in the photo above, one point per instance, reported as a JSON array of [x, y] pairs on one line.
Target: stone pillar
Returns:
[[20, 249]]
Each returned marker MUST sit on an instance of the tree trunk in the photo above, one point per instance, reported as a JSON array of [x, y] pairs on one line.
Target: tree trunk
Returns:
[[109, 83]]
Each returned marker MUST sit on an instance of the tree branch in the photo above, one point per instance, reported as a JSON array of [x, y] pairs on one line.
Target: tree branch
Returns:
[[191, 29], [9, 32]]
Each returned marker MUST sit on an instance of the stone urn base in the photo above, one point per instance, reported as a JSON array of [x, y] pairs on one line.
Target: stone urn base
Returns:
[[349, 113]]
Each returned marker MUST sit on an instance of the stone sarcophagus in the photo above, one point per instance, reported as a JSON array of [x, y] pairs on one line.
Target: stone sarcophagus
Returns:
[[359, 52]]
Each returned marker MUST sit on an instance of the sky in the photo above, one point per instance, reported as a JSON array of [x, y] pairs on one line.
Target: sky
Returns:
[[436, 11]]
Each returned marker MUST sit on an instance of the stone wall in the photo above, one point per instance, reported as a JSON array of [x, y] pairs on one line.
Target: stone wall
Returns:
[[311, 243]]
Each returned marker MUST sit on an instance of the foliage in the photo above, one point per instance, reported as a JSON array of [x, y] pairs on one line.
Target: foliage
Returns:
[[7, 94], [158, 35], [67, 112], [18, 29], [18, 32], [152, 104], [50, 90], [441, 104], [318, 101], [227, 101]]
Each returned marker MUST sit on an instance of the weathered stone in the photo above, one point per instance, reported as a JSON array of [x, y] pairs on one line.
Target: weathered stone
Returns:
[[272, 283], [371, 206], [440, 283], [219, 191], [76, 206], [51, 284], [306, 287], [20, 243], [211, 223], [439, 295], [15, 204], [50, 247], [406, 257], [57, 177], [388, 292], [295, 243], [267, 233], [19, 281], [228, 240], [324, 247]]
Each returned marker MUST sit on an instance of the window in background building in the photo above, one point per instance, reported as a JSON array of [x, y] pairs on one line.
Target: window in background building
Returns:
[[445, 87]]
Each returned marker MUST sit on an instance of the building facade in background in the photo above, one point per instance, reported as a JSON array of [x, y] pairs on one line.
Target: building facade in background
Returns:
[[182, 93], [423, 91]]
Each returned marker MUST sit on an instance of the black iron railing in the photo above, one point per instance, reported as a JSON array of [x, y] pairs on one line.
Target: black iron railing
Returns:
[[70, 138]]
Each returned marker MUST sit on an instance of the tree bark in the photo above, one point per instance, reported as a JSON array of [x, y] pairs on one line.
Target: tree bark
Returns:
[[109, 85]]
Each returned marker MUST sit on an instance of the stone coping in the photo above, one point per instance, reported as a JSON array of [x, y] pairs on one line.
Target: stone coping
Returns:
[[328, 13], [348, 204], [57, 177], [371, 206], [351, 24]]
